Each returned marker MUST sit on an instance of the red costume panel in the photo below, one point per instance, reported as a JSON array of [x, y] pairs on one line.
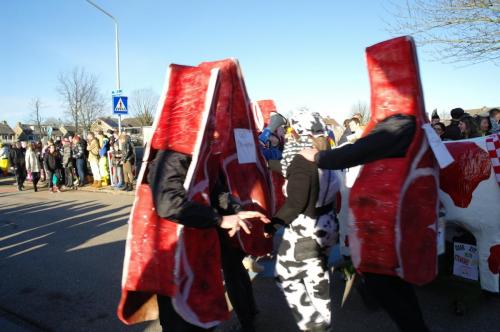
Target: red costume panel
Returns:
[[200, 108], [394, 201]]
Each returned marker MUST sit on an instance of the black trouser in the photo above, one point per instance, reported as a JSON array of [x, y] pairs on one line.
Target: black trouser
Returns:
[[398, 299], [238, 283], [68, 176], [171, 321], [20, 176], [35, 176]]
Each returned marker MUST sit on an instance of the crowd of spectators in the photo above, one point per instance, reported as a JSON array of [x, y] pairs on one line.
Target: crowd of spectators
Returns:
[[100, 160], [463, 125]]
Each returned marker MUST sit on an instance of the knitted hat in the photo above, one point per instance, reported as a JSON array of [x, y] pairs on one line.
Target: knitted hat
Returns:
[[305, 123]]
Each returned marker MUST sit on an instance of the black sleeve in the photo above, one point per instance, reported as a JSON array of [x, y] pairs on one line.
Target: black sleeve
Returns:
[[297, 189], [389, 139], [166, 176]]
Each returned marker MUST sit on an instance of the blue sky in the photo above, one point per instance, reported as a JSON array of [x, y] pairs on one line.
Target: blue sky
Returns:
[[300, 53]]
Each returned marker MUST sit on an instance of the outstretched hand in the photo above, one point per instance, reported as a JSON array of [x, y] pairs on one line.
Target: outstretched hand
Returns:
[[309, 154], [239, 221]]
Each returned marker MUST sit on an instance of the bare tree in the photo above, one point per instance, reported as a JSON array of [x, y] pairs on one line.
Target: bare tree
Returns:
[[81, 97], [36, 115], [53, 122], [444, 115], [142, 104], [462, 30], [361, 110]]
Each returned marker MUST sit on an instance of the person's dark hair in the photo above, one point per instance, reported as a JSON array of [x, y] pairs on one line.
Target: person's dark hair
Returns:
[[493, 111], [441, 125], [470, 124], [479, 119], [346, 122], [457, 113]]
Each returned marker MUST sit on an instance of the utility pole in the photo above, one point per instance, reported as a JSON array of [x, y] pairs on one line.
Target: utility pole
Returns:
[[117, 55]]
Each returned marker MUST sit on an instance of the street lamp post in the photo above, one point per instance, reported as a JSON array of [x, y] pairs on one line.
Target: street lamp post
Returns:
[[117, 55]]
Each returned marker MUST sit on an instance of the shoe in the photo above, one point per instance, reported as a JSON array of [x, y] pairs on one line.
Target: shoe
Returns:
[[57, 190], [98, 184], [36, 189], [125, 187], [94, 184], [130, 187], [104, 183]]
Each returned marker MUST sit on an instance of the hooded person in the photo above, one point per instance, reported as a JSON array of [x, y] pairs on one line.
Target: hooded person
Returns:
[[311, 227], [183, 207], [302, 124], [435, 117], [394, 200]]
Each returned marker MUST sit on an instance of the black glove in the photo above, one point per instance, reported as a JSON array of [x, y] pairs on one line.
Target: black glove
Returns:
[[273, 226]]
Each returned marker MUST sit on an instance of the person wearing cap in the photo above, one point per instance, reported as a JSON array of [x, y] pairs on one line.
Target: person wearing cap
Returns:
[[311, 227], [452, 131]]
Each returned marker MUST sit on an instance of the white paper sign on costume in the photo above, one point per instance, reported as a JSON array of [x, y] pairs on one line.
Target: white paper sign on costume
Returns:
[[441, 153], [351, 174], [465, 261], [245, 146]]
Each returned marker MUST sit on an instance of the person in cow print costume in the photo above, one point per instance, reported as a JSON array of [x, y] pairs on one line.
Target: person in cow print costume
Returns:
[[311, 227]]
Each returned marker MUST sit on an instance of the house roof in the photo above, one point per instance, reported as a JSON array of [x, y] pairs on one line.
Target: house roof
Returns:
[[5, 129], [111, 122], [131, 122], [30, 129]]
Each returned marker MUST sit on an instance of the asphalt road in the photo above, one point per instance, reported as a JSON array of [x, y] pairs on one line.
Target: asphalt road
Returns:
[[61, 261]]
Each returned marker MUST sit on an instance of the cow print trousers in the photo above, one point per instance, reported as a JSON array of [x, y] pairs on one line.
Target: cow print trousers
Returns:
[[302, 272]]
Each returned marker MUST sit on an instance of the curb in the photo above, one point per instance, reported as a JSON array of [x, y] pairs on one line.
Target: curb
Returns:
[[107, 190]]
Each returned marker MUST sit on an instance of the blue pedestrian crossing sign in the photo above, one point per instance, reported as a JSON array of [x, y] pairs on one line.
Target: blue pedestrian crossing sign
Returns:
[[120, 105]]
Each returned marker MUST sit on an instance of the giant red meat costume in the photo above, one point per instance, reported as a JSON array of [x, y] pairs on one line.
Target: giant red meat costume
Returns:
[[394, 202], [197, 115]]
